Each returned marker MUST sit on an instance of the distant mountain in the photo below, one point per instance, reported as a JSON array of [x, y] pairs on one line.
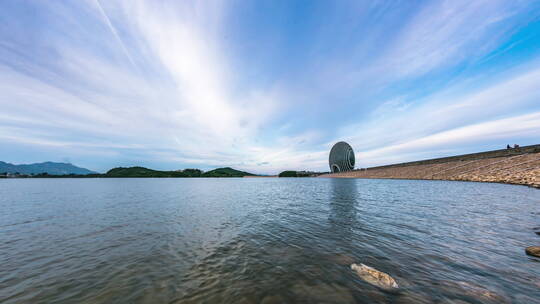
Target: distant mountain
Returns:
[[145, 172], [51, 168]]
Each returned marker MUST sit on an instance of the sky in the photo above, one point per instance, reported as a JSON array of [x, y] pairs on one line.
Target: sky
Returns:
[[265, 86]]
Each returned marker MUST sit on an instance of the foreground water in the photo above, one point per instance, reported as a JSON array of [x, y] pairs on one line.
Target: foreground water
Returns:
[[265, 241]]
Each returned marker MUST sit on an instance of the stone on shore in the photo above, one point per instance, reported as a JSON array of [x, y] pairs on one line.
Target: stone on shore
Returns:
[[375, 277], [533, 251]]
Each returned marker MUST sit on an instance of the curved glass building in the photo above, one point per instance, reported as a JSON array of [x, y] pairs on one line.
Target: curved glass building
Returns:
[[341, 157]]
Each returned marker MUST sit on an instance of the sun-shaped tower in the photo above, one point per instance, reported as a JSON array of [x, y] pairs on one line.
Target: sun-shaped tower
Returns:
[[341, 157]]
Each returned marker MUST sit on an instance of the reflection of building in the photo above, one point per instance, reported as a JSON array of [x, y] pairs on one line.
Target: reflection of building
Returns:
[[341, 157]]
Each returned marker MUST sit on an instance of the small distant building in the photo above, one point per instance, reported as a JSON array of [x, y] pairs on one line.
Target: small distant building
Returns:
[[341, 157]]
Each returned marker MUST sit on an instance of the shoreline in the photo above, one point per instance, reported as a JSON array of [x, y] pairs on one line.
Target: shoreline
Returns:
[[535, 186], [518, 166]]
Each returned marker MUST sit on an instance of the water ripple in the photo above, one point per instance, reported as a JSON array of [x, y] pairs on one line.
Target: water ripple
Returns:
[[265, 241]]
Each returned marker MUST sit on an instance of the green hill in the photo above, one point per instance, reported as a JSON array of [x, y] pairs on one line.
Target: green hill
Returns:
[[145, 172], [226, 172], [142, 172], [290, 173]]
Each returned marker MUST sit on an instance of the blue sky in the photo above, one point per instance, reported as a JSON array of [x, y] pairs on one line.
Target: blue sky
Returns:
[[265, 85]]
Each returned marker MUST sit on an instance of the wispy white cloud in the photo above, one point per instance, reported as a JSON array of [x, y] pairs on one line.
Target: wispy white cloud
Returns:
[[195, 114], [113, 31], [501, 129], [448, 32], [444, 122], [159, 81]]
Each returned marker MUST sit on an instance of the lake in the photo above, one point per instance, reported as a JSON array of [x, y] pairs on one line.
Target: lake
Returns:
[[265, 240]]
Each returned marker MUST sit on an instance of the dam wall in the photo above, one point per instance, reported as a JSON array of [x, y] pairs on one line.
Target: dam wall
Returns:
[[514, 166]]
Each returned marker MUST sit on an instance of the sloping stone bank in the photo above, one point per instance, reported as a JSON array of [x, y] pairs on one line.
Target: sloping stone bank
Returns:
[[513, 166]]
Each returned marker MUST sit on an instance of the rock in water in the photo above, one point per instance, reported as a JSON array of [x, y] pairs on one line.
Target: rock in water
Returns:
[[533, 250], [374, 277]]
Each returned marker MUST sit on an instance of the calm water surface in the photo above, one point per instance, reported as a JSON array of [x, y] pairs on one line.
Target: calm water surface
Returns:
[[265, 241]]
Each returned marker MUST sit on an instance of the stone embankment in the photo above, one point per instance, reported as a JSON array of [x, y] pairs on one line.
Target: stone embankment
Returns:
[[513, 166]]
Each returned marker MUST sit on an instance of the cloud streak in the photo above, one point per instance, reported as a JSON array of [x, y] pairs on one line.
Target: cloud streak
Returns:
[[181, 84], [114, 32]]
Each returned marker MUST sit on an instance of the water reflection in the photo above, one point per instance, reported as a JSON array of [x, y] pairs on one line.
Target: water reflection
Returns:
[[342, 222], [343, 203]]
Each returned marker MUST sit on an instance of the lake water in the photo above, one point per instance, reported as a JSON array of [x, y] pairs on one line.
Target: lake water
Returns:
[[265, 240]]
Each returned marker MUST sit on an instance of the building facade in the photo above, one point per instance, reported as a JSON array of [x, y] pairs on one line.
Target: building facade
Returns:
[[341, 157]]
